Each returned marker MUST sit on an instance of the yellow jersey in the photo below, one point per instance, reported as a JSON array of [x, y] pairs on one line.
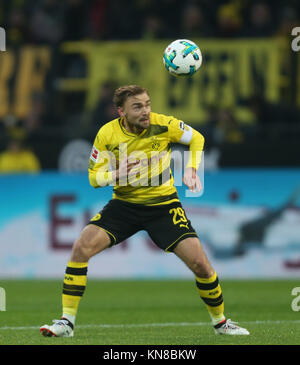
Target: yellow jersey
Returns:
[[150, 182]]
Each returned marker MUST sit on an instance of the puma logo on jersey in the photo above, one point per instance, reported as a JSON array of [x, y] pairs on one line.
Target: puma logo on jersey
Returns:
[[69, 278], [184, 225], [213, 292]]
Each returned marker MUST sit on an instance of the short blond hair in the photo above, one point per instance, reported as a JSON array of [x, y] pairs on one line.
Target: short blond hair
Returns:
[[124, 92]]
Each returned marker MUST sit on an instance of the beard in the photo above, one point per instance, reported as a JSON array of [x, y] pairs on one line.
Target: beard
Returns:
[[138, 126]]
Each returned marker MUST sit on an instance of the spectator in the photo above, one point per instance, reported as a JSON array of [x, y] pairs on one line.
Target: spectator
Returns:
[[75, 20], [153, 27], [160, 19], [193, 22], [98, 13], [40, 115], [17, 28], [18, 159], [228, 21], [105, 109], [288, 20], [47, 22], [268, 113], [226, 128], [13, 128], [124, 20], [275, 120], [260, 22]]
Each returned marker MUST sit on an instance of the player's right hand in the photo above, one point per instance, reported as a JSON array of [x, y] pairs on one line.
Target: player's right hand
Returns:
[[124, 168], [192, 180]]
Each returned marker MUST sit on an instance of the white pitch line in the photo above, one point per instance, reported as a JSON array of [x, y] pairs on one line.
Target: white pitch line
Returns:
[[135, 325]]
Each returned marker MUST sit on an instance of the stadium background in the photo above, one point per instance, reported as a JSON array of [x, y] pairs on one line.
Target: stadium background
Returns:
[[57, 76]]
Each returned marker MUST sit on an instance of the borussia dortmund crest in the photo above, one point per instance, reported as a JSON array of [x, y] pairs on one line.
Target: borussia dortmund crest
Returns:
[[155, 144]]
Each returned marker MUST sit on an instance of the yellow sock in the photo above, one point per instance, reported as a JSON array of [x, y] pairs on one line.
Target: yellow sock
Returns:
[[74, 285], [211, 293]]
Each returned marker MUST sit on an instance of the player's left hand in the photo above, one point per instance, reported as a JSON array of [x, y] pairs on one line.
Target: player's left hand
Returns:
[[191, 179]]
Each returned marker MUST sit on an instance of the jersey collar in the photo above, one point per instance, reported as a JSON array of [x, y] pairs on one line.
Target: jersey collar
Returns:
[[129, 133]]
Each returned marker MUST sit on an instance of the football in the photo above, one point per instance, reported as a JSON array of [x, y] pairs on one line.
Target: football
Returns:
[[182, 57]]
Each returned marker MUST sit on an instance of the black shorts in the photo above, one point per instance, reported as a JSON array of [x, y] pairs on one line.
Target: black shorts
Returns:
[[167, 224]]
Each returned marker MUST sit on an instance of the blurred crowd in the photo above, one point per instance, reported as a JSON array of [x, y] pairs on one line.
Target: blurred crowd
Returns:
[[53, 21]]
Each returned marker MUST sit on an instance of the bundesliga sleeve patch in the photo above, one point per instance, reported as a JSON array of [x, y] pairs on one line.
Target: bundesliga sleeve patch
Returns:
[[94, 154], [181, 125]]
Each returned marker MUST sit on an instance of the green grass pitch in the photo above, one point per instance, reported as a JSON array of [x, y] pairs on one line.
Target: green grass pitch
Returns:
[[150, 312]]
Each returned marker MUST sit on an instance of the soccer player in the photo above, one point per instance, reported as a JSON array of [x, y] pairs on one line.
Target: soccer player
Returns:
[[144, 198]]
